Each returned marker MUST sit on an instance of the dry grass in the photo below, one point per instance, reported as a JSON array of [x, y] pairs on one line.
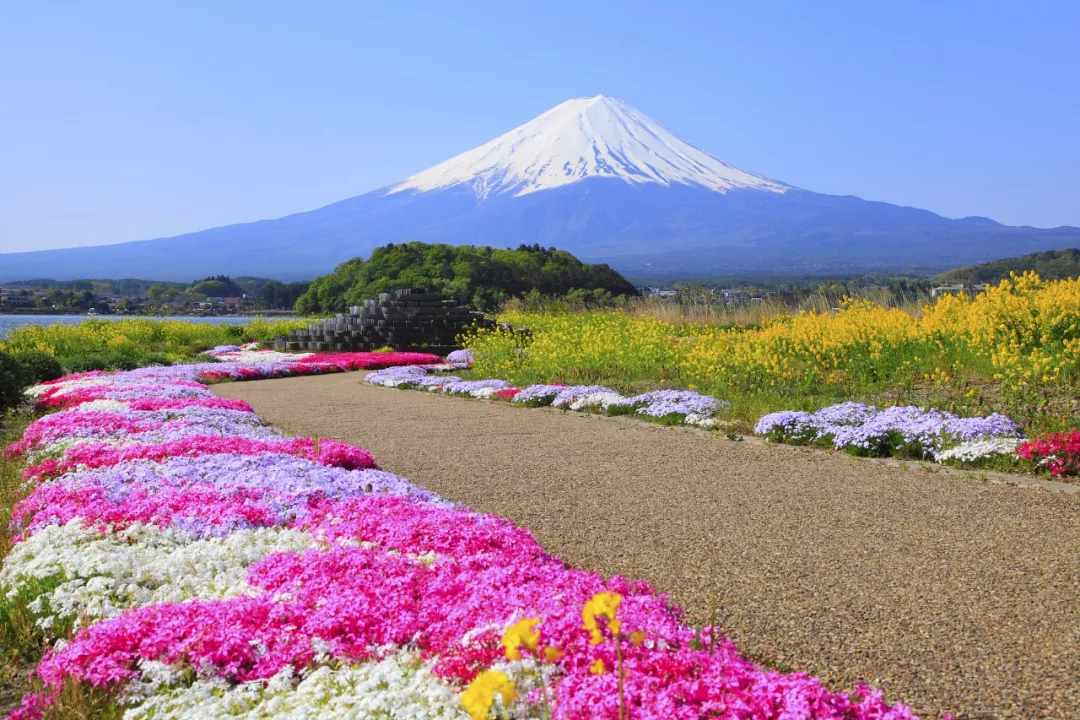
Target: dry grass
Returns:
[[700, 308], [699, 311]]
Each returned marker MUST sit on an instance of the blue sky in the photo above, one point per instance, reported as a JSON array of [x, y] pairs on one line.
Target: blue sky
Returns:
[[127, 121]]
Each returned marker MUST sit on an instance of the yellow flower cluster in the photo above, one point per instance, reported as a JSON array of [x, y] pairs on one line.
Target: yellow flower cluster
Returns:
[[601, 605], [1024, 332], [171, 336], [479, 696]]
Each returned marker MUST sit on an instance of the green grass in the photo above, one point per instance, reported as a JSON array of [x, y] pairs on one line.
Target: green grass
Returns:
[[18, 646]]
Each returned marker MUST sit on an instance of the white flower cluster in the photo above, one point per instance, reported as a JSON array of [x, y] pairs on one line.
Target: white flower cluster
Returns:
[[57, 448], [399, 687], [703, 421], [104, 574], [597, 400], [978, 449], [101, 406], [67, 386]]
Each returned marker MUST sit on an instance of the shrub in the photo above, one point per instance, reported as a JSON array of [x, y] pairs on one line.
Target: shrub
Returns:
[[40, 366], [102, 360], [13, 380]]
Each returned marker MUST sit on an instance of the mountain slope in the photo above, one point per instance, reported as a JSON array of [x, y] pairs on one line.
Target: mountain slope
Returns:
[[592, 176]]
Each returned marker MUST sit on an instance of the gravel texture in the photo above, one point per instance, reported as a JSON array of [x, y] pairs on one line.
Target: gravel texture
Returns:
[[950, 594]]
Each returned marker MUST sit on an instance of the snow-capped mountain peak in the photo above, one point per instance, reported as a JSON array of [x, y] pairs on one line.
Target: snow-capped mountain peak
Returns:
[[584, 138]]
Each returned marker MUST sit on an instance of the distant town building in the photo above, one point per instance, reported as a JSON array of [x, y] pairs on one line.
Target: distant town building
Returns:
[[956, 289]]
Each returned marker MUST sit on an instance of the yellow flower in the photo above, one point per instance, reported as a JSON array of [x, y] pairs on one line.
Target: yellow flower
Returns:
[[601, 605], [479, 696], [597, 668], [553, 654], [637, 637], [521, 634]]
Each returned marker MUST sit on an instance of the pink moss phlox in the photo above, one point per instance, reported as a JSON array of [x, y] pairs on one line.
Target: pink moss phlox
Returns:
[[204, 504], [215, 403], [96, 454], [369, 360], [1058, 453]]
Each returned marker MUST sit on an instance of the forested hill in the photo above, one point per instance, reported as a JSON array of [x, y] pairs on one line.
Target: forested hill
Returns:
[[1051, 265], [477, 275]]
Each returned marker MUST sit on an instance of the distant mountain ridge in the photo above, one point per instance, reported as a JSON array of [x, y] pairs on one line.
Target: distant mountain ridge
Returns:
[[592, 176]]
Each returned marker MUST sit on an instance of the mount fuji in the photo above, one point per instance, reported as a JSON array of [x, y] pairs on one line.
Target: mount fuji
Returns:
[[593, 176]]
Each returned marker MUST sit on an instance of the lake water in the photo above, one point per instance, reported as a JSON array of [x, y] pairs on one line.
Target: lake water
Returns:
[[10, 322]]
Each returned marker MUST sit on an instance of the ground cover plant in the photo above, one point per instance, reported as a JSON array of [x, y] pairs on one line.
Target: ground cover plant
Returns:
[[993, 442], [898, 431], [198, 563], [1013, 349], [669, 407]]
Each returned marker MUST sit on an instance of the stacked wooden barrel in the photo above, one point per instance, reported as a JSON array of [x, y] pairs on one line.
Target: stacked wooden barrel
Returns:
[[412, 320]]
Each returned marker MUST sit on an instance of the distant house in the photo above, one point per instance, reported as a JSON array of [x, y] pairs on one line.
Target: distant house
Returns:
[[956, 289], [19, 301], [231, 302]]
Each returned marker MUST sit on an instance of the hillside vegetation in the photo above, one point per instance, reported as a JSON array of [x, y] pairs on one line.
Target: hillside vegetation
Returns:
[[477, 275], [1050, 265], [218, 286]]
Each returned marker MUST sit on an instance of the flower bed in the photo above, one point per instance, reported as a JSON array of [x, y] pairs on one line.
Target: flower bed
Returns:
[[213, 567], [900, 431], [673, 407]]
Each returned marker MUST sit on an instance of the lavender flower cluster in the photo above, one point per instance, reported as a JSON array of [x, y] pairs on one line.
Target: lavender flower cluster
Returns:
[[464, 357], [685, 406], [865, 427], [661, 403], [222, 350], [694, 408]]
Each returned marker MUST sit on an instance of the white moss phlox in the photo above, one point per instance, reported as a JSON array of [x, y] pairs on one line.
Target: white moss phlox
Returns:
[[103, 574], [399, 687]]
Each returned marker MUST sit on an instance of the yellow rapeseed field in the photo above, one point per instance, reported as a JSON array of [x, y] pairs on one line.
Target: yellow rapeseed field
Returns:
[[138, 336], [1014, 346]]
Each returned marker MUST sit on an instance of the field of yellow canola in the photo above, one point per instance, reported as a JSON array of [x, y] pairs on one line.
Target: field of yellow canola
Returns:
[[140, 335], [1015, 347]]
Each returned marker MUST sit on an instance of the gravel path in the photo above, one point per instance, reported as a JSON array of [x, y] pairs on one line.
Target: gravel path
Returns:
[[947, 593]]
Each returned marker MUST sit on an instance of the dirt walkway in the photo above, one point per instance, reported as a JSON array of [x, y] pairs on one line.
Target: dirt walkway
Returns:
[[947, 593]]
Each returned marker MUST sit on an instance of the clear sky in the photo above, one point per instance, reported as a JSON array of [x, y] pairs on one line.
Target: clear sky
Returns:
[[126, 121]]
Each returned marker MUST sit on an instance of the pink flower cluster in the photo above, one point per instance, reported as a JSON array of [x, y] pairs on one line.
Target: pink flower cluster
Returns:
[[99, 454], [1057, 453], [397, 569]]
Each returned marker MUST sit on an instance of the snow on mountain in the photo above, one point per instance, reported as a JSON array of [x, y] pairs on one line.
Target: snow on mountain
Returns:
[[584, 138]]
